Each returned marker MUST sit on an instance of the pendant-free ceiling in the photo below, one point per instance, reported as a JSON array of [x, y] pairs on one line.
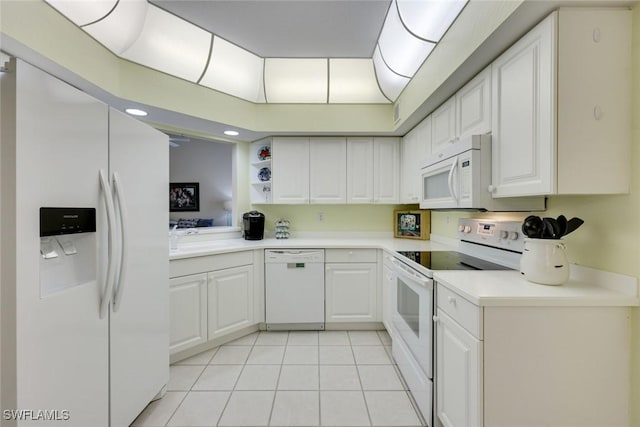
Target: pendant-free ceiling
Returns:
[[148, 35]]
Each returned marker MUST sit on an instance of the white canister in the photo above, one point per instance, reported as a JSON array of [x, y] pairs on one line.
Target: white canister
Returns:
[[544, 261]]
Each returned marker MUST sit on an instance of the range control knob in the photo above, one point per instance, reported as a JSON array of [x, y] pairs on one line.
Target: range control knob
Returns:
[[461, 228], [513, 235], [504, 234], [467, 229]]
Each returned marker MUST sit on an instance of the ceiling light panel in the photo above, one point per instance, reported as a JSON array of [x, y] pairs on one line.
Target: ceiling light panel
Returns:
[[172, 45], [429, 19], [235, 71], [295, 80], [121, 27], [391, 83], [83, 12], [402, 52], [353, 81]]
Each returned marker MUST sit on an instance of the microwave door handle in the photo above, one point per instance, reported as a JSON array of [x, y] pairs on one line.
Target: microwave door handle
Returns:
[[454, 166]]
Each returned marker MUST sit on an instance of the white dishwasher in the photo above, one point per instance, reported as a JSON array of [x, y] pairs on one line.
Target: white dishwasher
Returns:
[[294, 289]]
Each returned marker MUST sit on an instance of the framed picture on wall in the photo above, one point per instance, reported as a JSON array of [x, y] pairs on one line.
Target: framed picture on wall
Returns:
[[184, 197]]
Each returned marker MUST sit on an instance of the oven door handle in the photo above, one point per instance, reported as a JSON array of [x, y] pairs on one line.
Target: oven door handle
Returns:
[[411, 275]]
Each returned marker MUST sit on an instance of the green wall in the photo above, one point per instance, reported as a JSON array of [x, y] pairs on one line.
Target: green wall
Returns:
[[346, 218]]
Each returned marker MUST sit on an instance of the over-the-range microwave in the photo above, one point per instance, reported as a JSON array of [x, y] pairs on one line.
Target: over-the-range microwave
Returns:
[[459, 177]]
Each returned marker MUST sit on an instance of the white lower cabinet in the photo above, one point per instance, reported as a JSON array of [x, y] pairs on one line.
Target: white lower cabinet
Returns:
[[530, 366], [459, 383], [230, 300], [351, 291], [187, 311], [212, 296]]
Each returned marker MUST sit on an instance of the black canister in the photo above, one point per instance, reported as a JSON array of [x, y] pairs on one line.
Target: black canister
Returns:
[[253, 224]]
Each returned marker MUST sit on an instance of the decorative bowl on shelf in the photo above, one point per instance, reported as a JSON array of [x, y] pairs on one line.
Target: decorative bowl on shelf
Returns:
[[264, 153], [264, 174]]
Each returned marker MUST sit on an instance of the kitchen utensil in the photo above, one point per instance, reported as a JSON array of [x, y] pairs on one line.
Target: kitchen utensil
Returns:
[[551, 228], [562, 222], [532, 227], [573, 224], [544, 261]]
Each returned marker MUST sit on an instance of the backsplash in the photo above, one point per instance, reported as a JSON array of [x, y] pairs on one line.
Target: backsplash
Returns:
[[331, 217]]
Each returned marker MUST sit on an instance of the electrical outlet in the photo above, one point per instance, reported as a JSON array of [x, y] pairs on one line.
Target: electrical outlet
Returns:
[[448, 219], [320, 216]]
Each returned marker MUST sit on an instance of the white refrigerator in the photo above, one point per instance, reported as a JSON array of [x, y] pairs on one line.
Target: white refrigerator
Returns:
[[84, 314]]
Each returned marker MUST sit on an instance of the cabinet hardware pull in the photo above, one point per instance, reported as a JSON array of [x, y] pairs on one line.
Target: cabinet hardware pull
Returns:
[[436, 319]]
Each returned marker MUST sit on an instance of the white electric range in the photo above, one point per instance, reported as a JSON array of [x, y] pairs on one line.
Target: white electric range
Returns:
[[483, 245]]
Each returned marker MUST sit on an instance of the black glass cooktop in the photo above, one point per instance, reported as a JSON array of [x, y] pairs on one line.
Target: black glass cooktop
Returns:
[[447, 260]]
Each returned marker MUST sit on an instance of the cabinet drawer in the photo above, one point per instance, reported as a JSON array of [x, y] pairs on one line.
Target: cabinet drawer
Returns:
[[468, 315], [351, 255], [202, 264]]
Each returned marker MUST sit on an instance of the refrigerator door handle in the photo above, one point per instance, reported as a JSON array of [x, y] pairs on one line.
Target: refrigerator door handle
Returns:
[[111, 265], [122, 209]]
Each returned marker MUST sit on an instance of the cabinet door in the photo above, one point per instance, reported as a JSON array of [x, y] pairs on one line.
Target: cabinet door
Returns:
[[443, 126], [360, 170], [328, 170], [386, 168], [230, 300], [350, 292], [523, 148], [473, 106], [290, 173], [187, 312], [414, 151], [458, 375]]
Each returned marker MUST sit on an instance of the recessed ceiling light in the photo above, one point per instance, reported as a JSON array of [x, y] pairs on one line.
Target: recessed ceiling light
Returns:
[[136, 112], [231, 133]]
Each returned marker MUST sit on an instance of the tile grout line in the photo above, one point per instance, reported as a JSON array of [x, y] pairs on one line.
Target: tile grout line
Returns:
[[366, 406], [275, 392]]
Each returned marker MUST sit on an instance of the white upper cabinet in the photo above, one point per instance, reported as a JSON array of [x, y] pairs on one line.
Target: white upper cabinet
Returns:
[[561, 107], [443, 126], [360, 170], [328, 170], [473, 106], [290, 174], [415, 148], [523, 110], [386, 170]]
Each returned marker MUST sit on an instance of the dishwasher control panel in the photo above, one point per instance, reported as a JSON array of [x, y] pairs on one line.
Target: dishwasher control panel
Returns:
[[293, 256]]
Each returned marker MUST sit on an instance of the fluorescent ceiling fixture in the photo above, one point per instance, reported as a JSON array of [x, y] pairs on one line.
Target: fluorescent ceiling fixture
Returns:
[[83, 12], [235, 71], [402, 52], [353, 81], [231, 132], [391, 83], [172, 45], [429, 19], [136, 112], [121, 27], [295, 80], [146, 34]]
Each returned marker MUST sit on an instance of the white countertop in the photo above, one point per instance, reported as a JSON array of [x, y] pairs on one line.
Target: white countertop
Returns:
[[212, 247], [510, 288], [587, 287]]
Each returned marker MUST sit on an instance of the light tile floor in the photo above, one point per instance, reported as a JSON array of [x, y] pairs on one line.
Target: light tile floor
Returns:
[[328, 378]]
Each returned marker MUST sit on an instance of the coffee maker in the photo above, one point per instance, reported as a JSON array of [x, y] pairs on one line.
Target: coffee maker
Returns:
[[253, 224]]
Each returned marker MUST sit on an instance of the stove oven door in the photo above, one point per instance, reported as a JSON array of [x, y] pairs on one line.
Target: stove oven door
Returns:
[[412, 314]]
